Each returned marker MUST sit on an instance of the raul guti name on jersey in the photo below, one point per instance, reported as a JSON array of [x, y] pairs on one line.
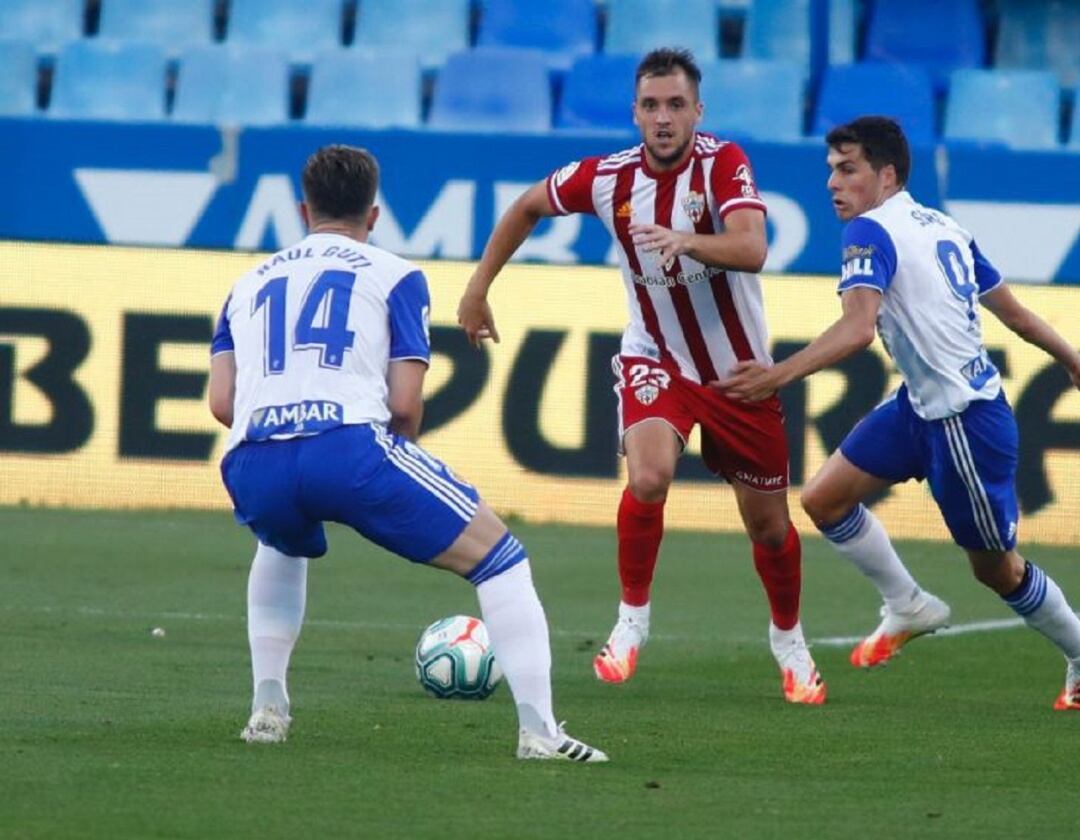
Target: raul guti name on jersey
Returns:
[[104, 372]]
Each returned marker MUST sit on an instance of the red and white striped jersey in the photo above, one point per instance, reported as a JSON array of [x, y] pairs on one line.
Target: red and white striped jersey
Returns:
[[702, 318]]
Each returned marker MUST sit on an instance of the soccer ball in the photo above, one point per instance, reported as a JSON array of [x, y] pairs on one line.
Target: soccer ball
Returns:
[[454, 659]]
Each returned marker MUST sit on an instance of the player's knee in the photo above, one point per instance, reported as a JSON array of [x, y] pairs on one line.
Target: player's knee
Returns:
[[503, 556], [650, 483], [768, 532], [1002, 573], [822, 507]]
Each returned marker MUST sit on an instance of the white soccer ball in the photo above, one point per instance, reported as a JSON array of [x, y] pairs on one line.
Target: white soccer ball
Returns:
[[454, 659]]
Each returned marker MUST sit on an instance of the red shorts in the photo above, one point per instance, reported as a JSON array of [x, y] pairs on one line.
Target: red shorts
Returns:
[[741, 441]]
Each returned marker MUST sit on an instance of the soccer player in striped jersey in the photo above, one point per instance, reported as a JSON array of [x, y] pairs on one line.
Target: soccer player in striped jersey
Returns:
[[920, 278], [689, 224], [318, 362]]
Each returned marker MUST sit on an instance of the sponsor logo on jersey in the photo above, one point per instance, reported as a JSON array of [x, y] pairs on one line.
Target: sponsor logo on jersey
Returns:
[[683, 278], [858, 267], [743, 174], [852, 252], [625, 211], [694, 205], [566, 173], [307, 417], [978, 371], [647, 394]]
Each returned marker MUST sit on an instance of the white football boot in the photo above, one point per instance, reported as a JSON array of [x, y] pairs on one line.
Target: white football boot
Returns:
[[927, 614], [562, 747], [267, 725], [617, 660], [800, 680]]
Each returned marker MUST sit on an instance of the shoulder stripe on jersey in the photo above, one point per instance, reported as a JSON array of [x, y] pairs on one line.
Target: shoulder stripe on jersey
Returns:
[[680, 295], [736, 203], [624, 189], [619, 160], [553, 196], [718, 283]]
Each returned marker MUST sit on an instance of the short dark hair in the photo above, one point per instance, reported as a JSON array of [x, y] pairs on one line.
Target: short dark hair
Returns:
[[882, 140], [340, 182], [668, 60]]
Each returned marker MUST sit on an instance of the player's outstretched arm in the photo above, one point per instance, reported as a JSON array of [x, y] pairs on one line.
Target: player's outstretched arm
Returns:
[[222, 390], [1013, 314], [742, 246], [405, 381], [474, 311], [752, 381]]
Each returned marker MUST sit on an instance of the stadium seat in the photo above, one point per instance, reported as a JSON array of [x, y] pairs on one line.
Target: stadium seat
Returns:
[[758, 99], [637, 26], [1040, 35], [172, 26], [779, 29], [564, 29], [598, 93], [299, 28], [360, 87], [941, 37], [47, 24], [493, 89], [894, 90], [109, 80], [1018, 108], [18, 79], [230, 85], [433, 29]]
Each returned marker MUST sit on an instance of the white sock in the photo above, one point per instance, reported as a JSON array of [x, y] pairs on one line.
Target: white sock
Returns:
[[519, 639], [1042, 605], [277, 591], [861, 538], [637, 615]]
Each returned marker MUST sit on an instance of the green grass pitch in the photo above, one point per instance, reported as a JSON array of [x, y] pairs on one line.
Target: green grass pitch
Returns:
[[107, 731]]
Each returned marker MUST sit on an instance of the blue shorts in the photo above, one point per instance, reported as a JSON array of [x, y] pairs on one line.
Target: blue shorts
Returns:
[[380, 484], [968, 460]]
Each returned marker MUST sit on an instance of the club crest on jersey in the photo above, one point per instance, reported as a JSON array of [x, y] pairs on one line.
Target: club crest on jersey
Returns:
[[743, 174], [694, 205], [647, 394], [625, 211], [305, 417]]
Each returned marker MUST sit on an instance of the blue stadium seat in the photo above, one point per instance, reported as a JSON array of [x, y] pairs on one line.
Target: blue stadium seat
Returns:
[[899, 91], [637, 26], [940, 36], [109, 80], [1018, 108], [299, 28], [493, 89], [360, 87], [47, 24], [1040, 35], [749, 98], [18, 79], [598, 93], [172, 26], [433, 29], [230, 85], [779, 29], [565, 29]]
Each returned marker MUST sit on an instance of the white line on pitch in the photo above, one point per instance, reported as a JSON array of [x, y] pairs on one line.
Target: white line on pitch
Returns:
[[956, 630]]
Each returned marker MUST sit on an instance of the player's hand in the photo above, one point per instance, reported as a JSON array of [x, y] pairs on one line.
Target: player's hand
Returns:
[[666, 244], [475, 317], [748, 381]]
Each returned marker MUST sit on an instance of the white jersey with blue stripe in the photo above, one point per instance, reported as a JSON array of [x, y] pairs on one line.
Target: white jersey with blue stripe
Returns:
[[314, 329], [930, 274]]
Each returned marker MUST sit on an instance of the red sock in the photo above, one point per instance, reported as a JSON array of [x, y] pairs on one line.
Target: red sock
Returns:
[[780, 571], [640, 526]]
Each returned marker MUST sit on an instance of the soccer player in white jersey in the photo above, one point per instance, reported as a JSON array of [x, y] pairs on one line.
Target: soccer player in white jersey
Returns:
[[690, 228], [318, 362], [923, 281]]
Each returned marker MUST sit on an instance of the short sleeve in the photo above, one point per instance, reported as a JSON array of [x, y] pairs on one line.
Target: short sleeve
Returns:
[[222, 342], [409, 306], [732, 181], [869, 256], [570, 188], [987, 277]]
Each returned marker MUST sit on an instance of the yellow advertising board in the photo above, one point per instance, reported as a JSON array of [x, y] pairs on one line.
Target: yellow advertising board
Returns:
[[104, 356]]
